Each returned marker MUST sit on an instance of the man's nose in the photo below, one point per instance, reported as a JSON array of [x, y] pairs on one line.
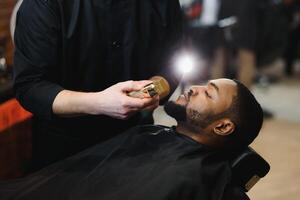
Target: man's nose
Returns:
[[190, 92]]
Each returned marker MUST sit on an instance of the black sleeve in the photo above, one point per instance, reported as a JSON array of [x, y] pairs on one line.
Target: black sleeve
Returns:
[[36, 56]]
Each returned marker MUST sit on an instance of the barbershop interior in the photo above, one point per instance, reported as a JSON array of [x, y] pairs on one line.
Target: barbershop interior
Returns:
[[254, 41]]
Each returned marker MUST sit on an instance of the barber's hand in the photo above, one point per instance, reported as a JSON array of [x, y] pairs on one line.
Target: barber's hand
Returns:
[[154, 105], [115, 102]]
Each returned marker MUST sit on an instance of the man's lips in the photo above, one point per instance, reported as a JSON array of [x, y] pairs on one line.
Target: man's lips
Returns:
[[186, 96], [183, 99]]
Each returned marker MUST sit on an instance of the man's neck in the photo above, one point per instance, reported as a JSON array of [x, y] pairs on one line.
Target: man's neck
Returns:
[[192, 132], [198, 134]]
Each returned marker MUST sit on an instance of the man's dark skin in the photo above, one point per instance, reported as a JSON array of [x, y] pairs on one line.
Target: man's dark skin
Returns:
[[201, 101]]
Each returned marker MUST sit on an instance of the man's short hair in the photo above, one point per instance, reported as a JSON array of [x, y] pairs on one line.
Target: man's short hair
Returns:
[[247, 115]]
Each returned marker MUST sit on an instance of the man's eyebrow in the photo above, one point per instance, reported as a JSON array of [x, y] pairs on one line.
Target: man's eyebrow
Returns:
[[214, 85]]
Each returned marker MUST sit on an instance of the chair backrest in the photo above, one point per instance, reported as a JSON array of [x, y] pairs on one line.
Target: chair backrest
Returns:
[[248, 168]]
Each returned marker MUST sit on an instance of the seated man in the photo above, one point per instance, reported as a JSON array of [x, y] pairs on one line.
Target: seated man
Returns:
[[189, 161]]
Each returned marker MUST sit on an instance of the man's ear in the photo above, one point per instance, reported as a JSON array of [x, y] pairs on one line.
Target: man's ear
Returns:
[[224, 127]]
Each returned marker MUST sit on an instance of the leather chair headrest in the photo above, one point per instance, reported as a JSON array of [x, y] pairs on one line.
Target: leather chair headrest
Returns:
[[247, 168]]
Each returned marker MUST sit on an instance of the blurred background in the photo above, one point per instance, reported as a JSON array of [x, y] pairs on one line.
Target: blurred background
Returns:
[[255, 41]]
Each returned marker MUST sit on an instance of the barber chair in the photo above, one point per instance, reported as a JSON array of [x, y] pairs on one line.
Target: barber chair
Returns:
[[248, 167]]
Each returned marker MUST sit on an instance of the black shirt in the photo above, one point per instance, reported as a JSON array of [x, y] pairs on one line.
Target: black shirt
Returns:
[[88, 45], [145, 163]]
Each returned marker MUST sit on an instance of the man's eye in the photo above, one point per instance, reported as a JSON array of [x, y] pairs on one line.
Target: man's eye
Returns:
[[207, 94]]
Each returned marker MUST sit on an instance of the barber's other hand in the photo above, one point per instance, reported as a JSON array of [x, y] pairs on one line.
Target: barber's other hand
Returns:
[[115, 102]]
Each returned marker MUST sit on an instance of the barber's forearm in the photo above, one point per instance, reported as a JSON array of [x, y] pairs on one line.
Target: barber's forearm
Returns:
[[71, 103], [113, 101]]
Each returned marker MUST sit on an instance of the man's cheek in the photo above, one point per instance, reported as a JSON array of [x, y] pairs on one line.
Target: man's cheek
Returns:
[[191, 107], [193, 114]]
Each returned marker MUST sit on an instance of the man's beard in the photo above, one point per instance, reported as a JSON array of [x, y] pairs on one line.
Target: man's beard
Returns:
[[191, 118], [176, 111], [197, 119]]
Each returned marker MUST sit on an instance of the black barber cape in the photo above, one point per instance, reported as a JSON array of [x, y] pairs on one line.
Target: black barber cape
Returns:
[[144, 163]]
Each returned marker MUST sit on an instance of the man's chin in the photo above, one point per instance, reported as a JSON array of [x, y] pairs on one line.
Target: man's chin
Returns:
[[175, 110]]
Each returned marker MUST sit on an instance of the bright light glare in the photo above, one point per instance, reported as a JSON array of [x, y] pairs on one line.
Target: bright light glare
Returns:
[[185, 63]]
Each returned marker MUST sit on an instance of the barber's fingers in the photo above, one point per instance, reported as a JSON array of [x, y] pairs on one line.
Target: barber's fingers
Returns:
[[126, 113], [129, 86], [131, 105], [154, 104], [142, 103], [152, 107]]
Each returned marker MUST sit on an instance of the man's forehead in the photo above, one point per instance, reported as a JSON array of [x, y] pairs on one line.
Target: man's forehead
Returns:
[[224, 86], [222, 81], [221, 84], [227, 91]]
